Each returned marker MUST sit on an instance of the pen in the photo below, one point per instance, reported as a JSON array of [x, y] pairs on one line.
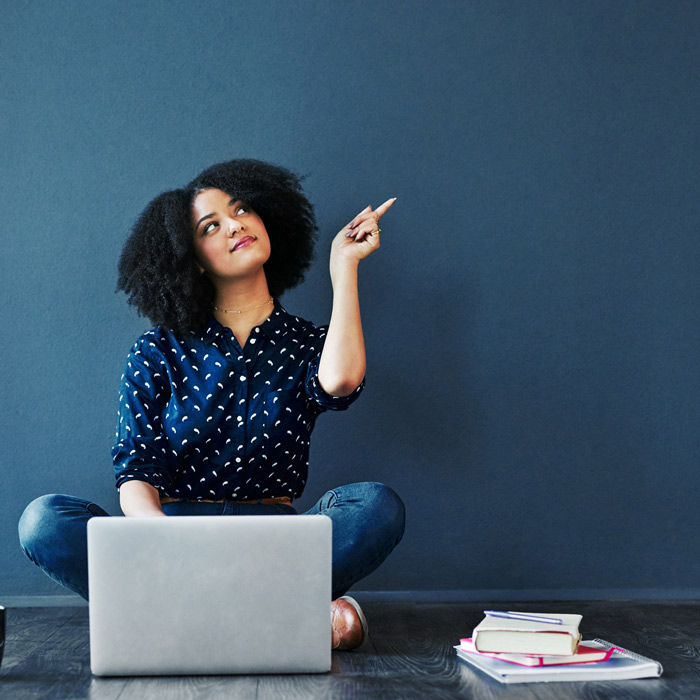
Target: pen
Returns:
[[523, 616]]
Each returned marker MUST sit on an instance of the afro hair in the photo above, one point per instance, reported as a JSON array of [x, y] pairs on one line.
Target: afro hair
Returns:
[[157, 267]]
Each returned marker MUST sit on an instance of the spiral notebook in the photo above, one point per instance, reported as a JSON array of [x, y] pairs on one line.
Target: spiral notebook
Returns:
[[622, 665]]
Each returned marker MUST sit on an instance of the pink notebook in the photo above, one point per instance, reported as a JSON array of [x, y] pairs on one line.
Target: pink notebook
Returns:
[[584, 655]]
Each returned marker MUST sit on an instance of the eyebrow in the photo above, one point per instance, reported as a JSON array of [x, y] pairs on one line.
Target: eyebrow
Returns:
[[204, 218], [233, 202]]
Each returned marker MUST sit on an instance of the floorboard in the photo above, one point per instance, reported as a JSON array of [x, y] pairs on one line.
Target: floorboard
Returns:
[[408, 655]]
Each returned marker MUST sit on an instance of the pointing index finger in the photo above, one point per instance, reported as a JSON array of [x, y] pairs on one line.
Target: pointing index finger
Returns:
[[381, 210]]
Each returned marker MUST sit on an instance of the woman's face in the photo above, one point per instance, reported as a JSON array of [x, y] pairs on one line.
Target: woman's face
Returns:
[[230, 239]]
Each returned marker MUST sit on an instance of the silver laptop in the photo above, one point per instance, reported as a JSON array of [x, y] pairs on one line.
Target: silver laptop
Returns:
[[210, 595]]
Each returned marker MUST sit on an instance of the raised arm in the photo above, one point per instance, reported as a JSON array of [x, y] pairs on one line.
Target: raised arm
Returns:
[[343, 363]]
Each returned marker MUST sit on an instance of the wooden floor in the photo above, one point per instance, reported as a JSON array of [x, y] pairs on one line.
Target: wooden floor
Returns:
[[409, 655]]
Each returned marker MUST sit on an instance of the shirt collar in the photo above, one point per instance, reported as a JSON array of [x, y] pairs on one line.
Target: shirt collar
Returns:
[[274, 326]]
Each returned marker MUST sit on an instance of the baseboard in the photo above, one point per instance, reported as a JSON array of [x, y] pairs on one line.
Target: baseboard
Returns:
[[433, 596], [490, 595], [42, 601]]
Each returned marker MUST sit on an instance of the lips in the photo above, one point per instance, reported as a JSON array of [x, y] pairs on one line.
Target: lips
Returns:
[[243, 243]]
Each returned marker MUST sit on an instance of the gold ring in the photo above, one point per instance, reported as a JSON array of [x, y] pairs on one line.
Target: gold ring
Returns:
[[374, 233]]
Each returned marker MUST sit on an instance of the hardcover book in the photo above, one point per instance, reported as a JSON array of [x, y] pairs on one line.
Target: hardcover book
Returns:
[[526, 636]]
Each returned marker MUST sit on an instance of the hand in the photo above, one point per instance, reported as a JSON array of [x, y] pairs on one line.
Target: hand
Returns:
[[360, 236]]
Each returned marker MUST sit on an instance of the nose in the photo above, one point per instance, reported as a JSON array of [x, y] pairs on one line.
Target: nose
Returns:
[[235, 227]]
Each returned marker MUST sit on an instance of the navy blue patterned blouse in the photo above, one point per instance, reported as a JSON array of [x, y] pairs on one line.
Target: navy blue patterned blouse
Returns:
[[201, 418]]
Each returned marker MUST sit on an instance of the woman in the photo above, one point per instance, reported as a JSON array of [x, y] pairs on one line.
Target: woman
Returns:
[[218, 402]]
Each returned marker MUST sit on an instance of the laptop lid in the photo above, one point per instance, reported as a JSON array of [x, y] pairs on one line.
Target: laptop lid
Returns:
[[191, 595]]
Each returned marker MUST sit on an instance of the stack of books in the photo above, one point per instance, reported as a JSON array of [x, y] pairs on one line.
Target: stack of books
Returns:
[[521, 647]]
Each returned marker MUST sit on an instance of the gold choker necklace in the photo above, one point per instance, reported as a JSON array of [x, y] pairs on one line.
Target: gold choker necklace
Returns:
[[240, 311]]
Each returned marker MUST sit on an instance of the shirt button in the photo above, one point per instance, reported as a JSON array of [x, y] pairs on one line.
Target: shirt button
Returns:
[[242, 377]]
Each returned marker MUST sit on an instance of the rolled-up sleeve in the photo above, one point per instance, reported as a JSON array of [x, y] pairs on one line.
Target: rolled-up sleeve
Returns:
[[322, 400], [140, 450]]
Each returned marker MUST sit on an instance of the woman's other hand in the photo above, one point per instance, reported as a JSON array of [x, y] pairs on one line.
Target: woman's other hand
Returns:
[[137, 498]]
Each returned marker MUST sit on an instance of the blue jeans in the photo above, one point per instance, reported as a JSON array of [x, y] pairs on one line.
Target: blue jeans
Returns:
[[368, 522]]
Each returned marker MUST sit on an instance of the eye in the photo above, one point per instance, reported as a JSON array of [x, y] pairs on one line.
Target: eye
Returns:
[[242, 208], [209, 227]]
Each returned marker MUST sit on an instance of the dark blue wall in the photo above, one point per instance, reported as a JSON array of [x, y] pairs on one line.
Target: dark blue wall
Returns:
[[532, 316]]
